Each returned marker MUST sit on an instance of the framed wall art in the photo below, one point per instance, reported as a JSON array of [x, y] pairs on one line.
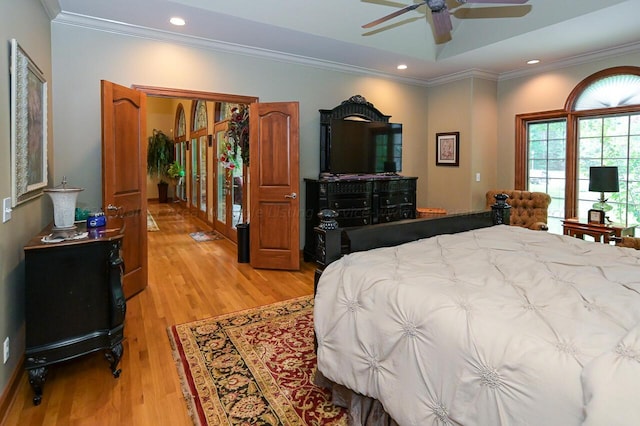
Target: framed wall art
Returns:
[[28, 127], [448, 149]]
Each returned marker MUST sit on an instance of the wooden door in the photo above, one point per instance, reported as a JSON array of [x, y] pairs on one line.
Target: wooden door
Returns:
[[124, 178], [274, 185]]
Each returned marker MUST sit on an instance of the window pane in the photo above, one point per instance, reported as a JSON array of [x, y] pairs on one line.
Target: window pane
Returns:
[[590, 127], [612, 149], [616, 125], [634, 147], [558, 130], [634, 169], [590, 147], [615, 147], [547, 149], [538, 149], [558, 148], [556, 189], [538, 131], [634, 125]]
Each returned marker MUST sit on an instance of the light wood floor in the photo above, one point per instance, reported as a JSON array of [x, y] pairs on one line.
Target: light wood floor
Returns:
[[187, 281]]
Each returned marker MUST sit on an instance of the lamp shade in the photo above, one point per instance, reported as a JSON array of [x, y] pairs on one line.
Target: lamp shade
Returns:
[[603, 179]]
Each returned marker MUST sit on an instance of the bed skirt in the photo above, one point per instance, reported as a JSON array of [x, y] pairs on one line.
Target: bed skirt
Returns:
[[362, 410]]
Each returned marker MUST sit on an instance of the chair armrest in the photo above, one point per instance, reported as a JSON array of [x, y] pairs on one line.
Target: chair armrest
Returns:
[[539, 226]]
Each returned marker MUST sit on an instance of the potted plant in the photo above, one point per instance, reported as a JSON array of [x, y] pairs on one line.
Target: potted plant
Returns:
[[176, 173], [160, 155]]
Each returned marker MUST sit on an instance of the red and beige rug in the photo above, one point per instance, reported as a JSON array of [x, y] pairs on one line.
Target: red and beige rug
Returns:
[[253, 367]]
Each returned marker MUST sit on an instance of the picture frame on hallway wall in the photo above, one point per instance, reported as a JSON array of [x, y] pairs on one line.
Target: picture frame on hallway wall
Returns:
[[28, 127], [448, 149]]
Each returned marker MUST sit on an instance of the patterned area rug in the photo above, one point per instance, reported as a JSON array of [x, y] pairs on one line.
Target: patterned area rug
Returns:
[[151, 223], [201, 236], [254, 367]]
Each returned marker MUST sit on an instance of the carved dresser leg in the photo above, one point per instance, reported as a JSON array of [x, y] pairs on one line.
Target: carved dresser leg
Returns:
[[37, 377], [114, 356]]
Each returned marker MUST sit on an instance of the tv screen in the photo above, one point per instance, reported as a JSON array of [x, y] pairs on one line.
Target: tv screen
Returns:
[[364, 147]]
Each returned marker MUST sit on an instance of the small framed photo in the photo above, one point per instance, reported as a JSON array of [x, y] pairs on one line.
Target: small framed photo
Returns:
[[595, 216], [448, 149]]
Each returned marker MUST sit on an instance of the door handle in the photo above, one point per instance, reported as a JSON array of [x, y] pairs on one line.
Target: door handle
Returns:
[[117, 209], [293, 196]]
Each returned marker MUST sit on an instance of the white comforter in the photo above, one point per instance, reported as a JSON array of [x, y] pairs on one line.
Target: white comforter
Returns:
[[500, 325]]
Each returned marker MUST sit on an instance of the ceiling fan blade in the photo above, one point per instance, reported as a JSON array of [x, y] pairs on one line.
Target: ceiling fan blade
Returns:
[[492, 12], [493, 1], [393, 15], [441, 22]]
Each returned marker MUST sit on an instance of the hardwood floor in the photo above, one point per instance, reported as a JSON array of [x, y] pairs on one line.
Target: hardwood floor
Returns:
[[187, 281]]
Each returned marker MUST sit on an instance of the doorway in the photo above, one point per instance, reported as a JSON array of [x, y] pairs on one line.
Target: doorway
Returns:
[[213, 195]]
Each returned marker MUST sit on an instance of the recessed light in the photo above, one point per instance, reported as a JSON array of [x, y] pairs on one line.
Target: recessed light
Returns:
[[402, 67], [533, 61], [177, 21]]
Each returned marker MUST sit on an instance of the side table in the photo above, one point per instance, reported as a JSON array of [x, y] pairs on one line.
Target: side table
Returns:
[[600, 232], [74, 301]]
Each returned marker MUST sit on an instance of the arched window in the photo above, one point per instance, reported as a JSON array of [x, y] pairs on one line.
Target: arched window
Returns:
[[599, 126], [181, 123], [181, 148], [199, 116]]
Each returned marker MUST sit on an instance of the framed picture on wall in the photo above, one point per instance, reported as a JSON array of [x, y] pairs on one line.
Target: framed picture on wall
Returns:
[[448, 149], [28, 127]]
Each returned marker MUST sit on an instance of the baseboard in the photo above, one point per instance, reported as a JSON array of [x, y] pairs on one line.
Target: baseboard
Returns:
[[10, 391]]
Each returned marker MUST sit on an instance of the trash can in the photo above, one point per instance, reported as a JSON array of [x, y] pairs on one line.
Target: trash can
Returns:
[[243, 242]]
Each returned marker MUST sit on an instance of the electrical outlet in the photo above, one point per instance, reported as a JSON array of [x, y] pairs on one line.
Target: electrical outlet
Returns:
[[6, 349]]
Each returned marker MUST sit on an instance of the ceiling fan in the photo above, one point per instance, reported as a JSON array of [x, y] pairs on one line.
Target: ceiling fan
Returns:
[[439, 13]]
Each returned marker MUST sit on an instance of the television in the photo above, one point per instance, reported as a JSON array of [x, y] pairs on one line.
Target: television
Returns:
[[363, 147]]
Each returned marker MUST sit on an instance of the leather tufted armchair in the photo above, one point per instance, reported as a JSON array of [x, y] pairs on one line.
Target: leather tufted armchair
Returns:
[[528, 209], [631, 242]]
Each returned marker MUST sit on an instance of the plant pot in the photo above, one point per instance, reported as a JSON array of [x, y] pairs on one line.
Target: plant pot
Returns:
[[163, 189]]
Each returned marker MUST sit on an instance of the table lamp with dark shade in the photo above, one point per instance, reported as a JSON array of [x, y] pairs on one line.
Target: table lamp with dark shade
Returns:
[[603, 179]]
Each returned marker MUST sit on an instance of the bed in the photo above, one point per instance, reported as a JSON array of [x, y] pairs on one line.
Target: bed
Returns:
[[481, 325]]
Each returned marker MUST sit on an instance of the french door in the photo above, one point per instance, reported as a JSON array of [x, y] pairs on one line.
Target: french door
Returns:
[[229, 188], [199, 175]]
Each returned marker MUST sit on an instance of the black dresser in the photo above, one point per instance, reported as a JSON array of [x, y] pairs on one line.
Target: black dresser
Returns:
[[358, 200], [74, 301]]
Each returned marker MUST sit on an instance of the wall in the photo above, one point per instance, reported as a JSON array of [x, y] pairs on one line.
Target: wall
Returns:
[[26, 21], [469, 107], [542, 92], [484, 141], [82, 57]]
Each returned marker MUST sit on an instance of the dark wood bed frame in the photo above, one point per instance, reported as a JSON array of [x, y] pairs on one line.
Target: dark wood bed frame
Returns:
[[333, 242]]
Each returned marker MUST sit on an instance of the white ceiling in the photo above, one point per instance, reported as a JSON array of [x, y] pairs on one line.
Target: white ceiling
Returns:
[[329, 31]]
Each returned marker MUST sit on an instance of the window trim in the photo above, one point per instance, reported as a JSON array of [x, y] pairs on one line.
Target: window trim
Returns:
[[571, 117]]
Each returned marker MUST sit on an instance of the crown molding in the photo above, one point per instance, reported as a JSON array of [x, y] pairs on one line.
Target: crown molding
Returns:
[[51, 8], [65, 18], [462, 75], [114, 27], [573, 61]]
